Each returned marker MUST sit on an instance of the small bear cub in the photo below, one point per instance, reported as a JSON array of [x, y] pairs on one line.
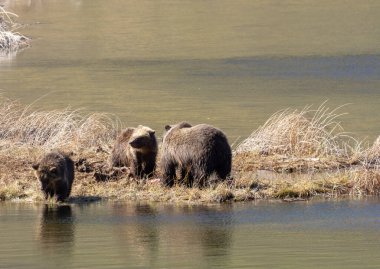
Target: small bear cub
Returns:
[[55, 171], [136, 148]]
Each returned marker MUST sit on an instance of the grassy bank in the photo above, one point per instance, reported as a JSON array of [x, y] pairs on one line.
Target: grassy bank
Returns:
[[10, 39], [294, 155]]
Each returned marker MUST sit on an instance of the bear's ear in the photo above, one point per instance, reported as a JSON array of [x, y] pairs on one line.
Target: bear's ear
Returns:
[[35, 166], [167, 127]]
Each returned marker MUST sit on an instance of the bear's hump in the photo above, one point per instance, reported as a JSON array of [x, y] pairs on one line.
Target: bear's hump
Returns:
[[203, 130], [53, 159]]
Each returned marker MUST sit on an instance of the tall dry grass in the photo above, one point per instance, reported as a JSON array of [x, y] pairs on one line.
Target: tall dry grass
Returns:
[[305, 143], [366, 174], [371, 156], [10, 39], [300, 133], [24, 126]]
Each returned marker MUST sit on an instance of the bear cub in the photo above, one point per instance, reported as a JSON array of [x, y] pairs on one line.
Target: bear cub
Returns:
[[196, 151], [55, 171], [136, 148]]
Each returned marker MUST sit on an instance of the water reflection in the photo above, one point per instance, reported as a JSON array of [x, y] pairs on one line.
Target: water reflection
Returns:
[[148, 234], [56, 226], [6, 56], [342, 234], [56, 233], [140, 235], [215, 241], [215, 233], [147, 231]]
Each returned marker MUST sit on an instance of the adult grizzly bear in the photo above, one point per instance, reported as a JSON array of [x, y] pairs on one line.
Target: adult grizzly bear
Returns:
[[197, 151], [136, 148], [55, 171]]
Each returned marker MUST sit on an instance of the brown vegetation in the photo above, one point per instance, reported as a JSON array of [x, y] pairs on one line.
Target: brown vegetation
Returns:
[[310, 157], [308, 154], [9, 39], [306, 133]]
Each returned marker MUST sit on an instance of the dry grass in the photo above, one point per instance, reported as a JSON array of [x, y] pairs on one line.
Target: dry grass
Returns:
[[371, 156], [251, 161], [305, 133], [284, 171], [293, 140], [309, 154], [366, 176], [21, 126], [22, 184], [10, 40], [365, 181]]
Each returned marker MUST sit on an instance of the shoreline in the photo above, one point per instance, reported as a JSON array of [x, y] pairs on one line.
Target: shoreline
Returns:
[[294, 155], [20, 184]]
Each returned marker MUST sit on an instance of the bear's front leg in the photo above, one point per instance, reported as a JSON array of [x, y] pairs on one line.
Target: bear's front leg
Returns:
[[150, 165], [136, 169], [62, 192]]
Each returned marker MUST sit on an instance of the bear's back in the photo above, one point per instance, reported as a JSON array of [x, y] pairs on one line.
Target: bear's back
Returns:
[[201, 134]]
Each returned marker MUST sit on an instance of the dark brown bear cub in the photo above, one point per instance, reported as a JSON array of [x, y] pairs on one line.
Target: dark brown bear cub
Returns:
[[56, 173], [197, 151], [136, 148]]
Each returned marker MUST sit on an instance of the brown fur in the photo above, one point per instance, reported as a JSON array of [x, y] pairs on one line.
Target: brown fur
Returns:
[[136, 148], [197, 151], [55, 171]]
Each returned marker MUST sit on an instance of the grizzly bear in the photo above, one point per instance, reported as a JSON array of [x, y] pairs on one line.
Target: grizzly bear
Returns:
[[136, 148], [56, 173], [196, 151]]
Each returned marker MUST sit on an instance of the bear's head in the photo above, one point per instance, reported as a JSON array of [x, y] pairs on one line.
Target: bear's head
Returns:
[[48, 170], [142, 138]]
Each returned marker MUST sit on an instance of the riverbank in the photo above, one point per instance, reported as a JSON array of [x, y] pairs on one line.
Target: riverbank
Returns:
[[294, 155]]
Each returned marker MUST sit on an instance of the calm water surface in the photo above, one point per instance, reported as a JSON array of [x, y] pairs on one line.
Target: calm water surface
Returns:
[[228, 63], [344, 234]]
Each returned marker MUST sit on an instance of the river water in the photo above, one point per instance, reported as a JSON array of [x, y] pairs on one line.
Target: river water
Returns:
[[319, 234], [228, 63]]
